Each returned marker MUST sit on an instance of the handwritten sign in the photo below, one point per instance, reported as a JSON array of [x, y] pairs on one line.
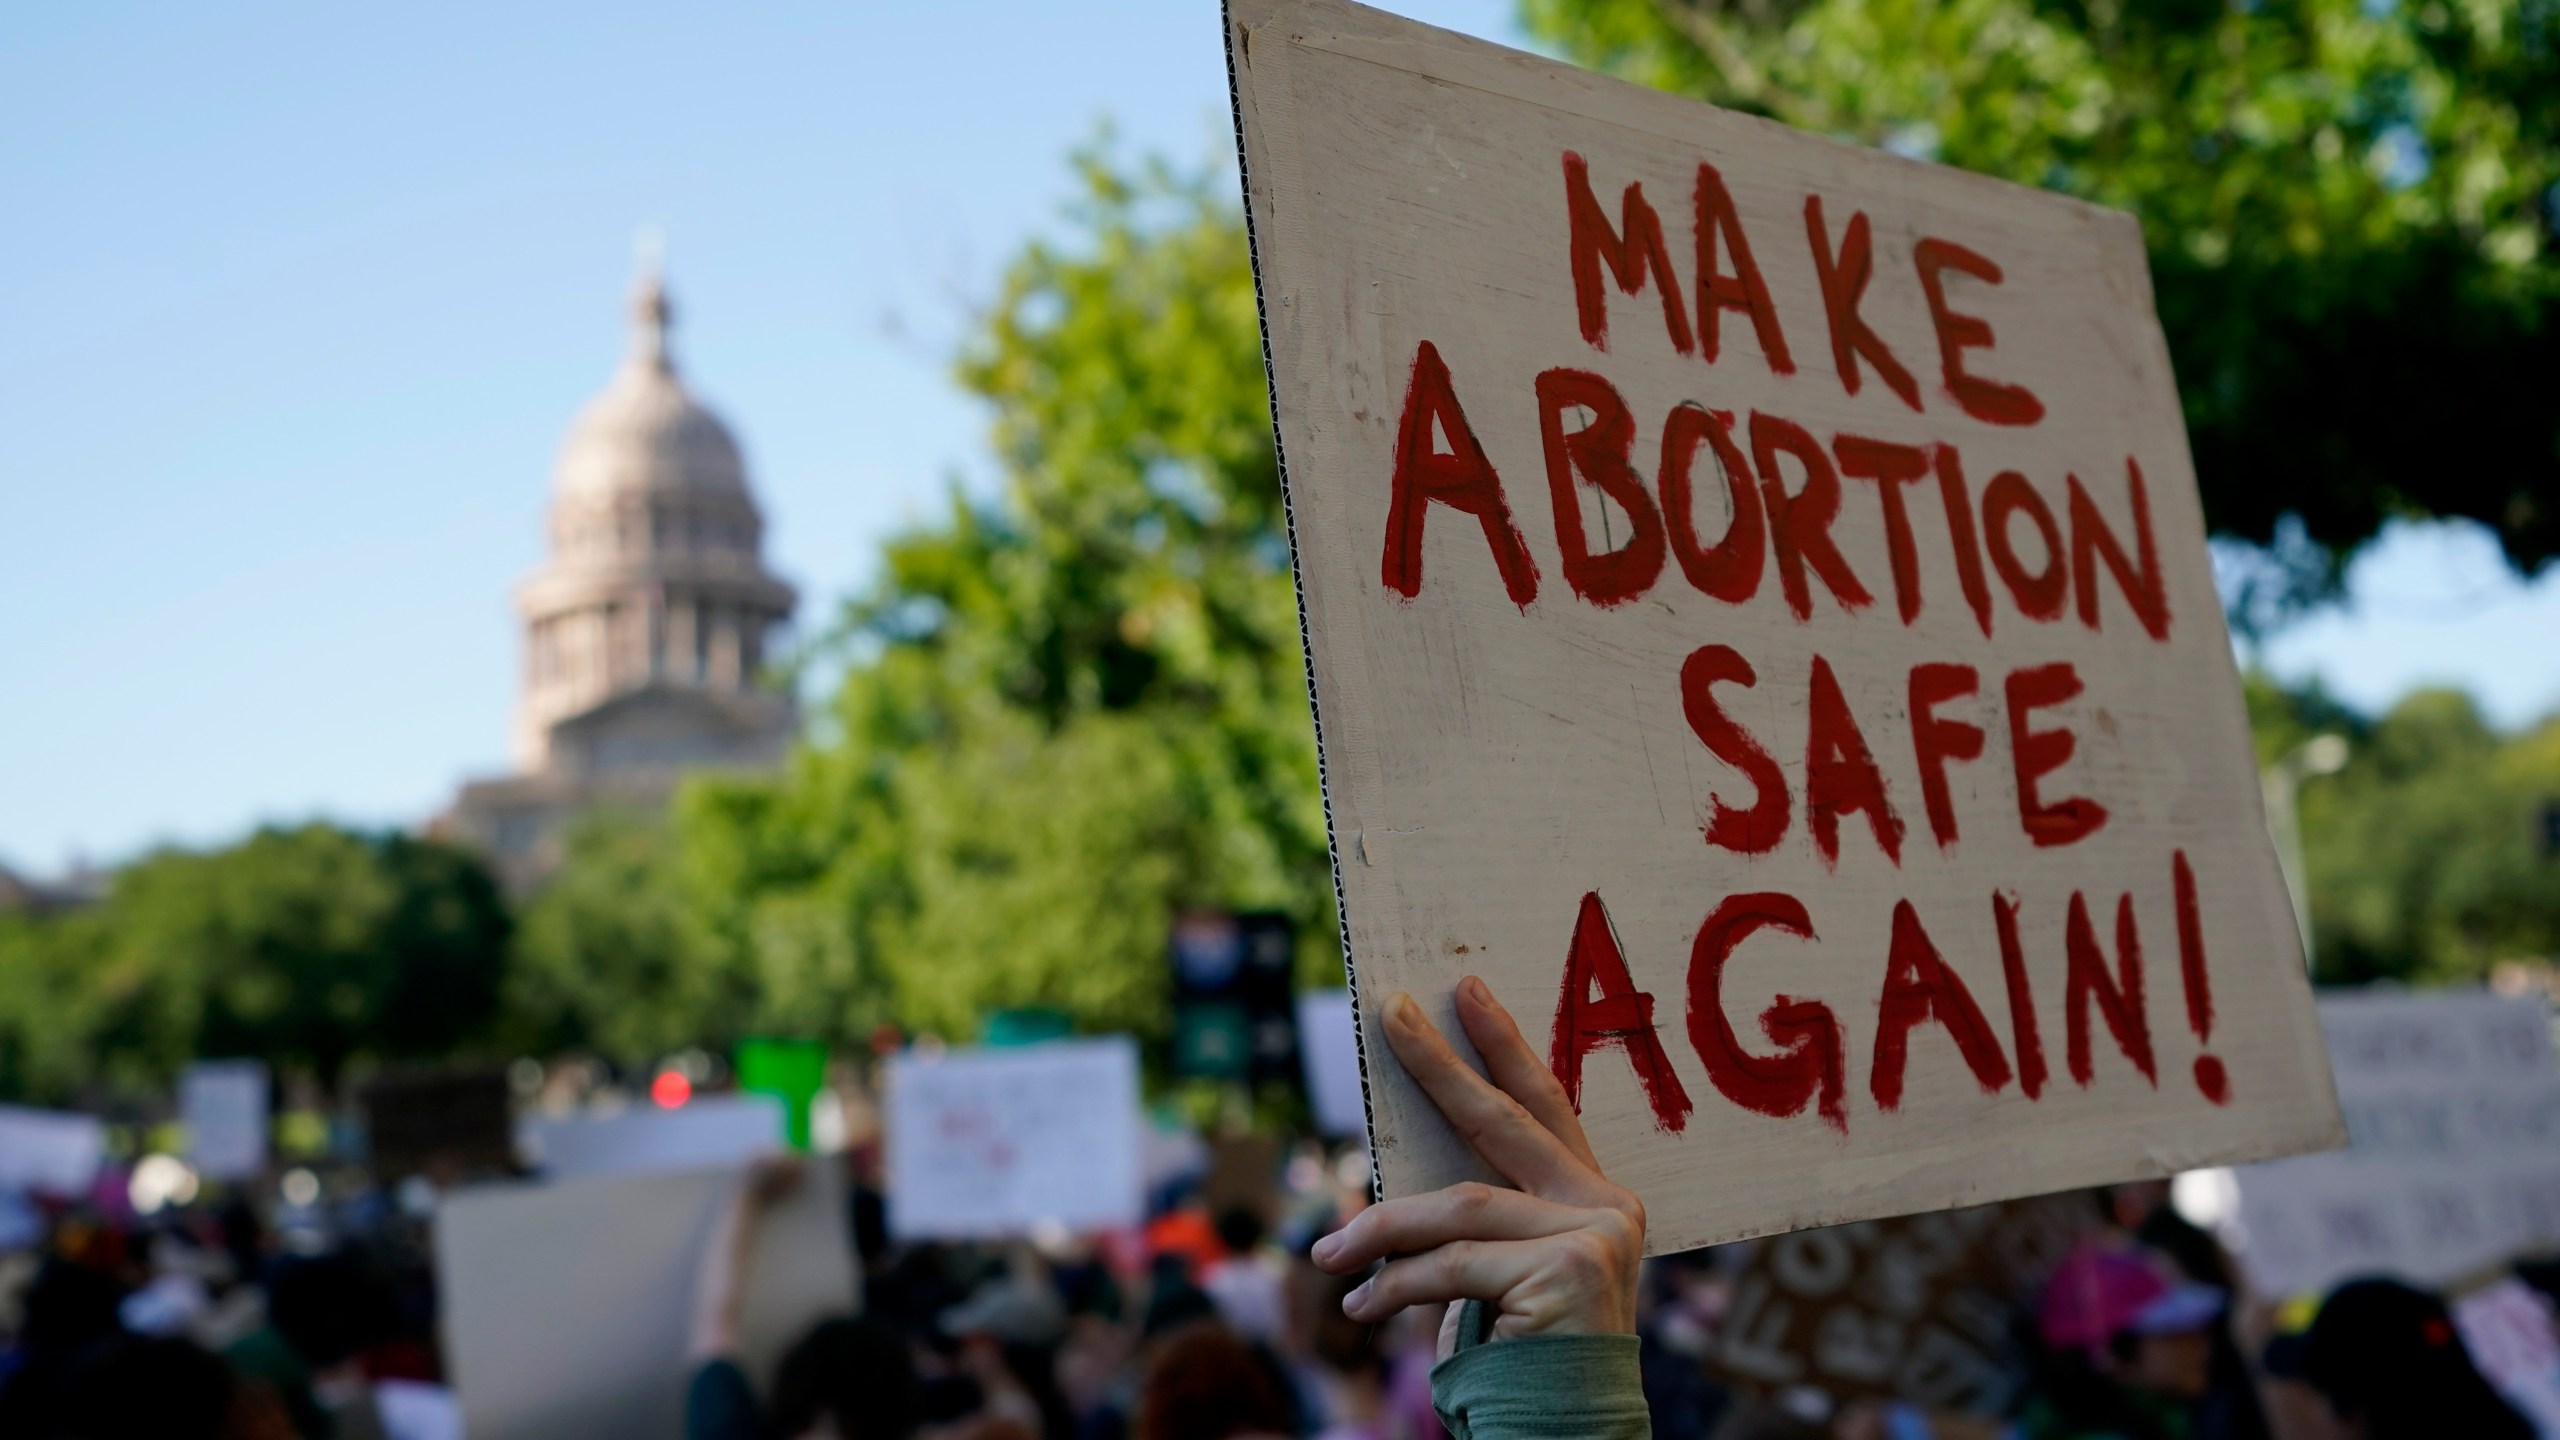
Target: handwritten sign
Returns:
[[1760, 622], [989, 1143], [1923, 1308], [2453, 1106]]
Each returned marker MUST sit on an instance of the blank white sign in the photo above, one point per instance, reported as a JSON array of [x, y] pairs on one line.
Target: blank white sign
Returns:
[[566, 1307], [706, 1130]]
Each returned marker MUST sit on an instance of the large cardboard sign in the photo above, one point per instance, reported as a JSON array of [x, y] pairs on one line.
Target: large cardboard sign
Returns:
[[990, 1143], [2453, 1105], [566, 1306], [1760, 622]]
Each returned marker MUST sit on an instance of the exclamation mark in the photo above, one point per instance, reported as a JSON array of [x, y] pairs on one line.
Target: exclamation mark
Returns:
[[2211, 1078]]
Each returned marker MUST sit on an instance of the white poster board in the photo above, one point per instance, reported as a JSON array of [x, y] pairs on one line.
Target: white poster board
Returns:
[[997, 1142], [53, 1152], [1329, 1046], [566, 1307], [1761, 623], [706, 1130], [223, 1104], [2453, 1105]]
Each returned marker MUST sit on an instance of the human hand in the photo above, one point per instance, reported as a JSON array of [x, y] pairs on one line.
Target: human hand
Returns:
[[773, 1179], [1557, 1255]]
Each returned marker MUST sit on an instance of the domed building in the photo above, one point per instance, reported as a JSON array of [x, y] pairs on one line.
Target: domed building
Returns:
[[647, 627]]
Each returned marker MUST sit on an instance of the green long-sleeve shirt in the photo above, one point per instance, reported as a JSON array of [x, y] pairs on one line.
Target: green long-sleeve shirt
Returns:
[[1540, 1387]]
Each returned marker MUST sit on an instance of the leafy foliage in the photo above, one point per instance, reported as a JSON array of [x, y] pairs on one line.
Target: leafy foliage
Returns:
[[2352, 208], [2428, 858], [309, 947], [1070, 708]]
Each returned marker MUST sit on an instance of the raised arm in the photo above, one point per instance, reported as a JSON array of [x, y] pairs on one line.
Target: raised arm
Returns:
[[1546, 1348]]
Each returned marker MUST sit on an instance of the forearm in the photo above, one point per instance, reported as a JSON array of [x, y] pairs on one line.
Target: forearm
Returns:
[[719, 1290], [1544, 1387]]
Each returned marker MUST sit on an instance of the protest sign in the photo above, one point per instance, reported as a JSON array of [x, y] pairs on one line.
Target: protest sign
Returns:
[[51, 1151], [986, 1143], [223, 1104], [2507, 1327], [792, 1071], [1759, 621], [1330, 1040], [2453, 1107], [706, 1130], [448, 1121], [1923, 1308], [567, 1306]]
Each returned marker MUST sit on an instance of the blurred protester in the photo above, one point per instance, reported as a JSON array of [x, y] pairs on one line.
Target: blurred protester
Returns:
[[67, 1321], [845, 1380], [1247, 1284], [165, 1388], [2391, 1366], [2128, 1354], [1206, 1384], [1008, 1332]]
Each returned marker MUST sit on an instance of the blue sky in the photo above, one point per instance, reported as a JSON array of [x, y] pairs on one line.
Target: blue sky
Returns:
[[295, 301]]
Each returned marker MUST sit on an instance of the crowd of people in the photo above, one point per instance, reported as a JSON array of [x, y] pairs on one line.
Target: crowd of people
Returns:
[[1306, 1311]]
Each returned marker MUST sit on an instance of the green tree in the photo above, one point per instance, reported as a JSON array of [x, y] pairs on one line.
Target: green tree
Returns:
[[2426, 856], [308, 947], [2352, 209], [612, 955], [1070, 708]]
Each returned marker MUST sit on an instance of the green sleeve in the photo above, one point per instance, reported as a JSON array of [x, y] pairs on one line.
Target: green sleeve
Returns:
[[1541, 1387], [720, 1405]]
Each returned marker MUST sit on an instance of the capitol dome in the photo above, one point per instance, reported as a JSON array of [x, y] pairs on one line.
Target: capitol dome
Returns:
[[656, 579], [646, 432]]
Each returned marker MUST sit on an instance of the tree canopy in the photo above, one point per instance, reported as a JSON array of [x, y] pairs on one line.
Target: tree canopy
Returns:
[[309, 947], [1071, 706], [2431, 856], [2352, 209]]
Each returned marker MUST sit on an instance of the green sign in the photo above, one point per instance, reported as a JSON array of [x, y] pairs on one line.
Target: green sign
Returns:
[[793, 1071]]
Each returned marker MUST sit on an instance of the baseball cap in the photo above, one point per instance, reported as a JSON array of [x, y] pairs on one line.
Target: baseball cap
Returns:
[[2102, 1292]]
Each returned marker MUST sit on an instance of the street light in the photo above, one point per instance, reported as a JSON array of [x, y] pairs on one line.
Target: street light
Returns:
[[2282, 784]]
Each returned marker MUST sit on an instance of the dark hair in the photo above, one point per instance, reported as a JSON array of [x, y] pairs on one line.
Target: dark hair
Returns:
[[857, 1373], [1239, 1229], [328, 1307], [2388, 1355], [152, 1389], [1205, 1384]]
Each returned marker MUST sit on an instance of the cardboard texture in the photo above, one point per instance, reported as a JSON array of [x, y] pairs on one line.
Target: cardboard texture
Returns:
[[1732, 604], [567, 1306]]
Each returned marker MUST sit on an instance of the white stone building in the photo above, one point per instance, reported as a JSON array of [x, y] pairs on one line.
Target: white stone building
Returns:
[[646, 630]]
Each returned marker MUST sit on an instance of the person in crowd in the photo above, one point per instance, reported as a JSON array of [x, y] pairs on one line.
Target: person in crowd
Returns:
[[2128, 1353], [1541, 1280], [1206, 1383], [2391, 1366], [1248, 1286], [845, 1380]]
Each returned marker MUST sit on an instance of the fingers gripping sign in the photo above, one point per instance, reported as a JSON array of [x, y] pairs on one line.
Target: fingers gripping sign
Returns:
[[1557, 1255]]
